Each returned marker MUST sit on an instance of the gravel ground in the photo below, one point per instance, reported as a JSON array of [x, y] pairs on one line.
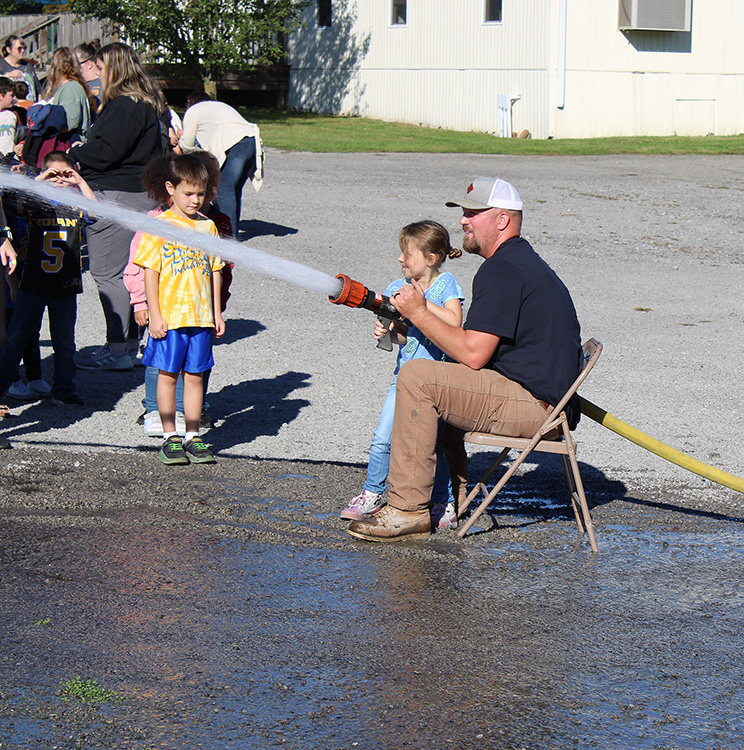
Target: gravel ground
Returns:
[[650, 248], [227, 605]]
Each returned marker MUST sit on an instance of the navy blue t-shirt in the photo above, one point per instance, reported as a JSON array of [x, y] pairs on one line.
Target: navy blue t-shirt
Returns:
[[520, 299]]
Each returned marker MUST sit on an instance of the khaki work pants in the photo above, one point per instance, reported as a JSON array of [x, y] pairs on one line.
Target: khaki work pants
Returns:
[[471, 400]]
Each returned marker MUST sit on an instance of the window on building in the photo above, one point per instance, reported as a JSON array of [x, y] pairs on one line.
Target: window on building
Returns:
[[493, 11], [324, 13], [399, 12]]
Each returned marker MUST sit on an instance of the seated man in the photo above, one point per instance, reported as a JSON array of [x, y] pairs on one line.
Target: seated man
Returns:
[[515, 357]]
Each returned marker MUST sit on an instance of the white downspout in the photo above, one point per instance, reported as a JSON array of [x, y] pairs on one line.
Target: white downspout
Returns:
[[562, 24]]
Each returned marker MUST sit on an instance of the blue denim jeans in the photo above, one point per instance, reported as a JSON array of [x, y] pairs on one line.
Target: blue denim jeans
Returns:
[[27, 314], [150, 401], [379, 457], [240, 164]]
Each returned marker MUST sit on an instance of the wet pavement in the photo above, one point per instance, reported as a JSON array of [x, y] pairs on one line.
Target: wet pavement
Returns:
[[230, 610], [228, 607]]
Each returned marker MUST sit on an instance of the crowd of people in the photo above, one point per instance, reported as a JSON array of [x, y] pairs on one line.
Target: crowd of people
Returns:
[[103, 127]]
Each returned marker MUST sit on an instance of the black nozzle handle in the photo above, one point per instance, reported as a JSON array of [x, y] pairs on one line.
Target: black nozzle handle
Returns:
[[385, 342]]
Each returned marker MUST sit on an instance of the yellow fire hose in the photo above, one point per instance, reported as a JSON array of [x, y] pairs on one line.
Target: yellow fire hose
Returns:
[[660, 449]]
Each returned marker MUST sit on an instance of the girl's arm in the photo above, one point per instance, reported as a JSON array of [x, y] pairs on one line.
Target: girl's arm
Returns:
[[451, 312], [158, 324], [219, 323]]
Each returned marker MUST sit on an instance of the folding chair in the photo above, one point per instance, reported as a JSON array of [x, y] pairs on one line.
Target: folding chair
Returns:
[[563, 445]]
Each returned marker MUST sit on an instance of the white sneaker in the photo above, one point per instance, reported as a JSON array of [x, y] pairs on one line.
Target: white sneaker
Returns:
[[362, 506], [40, 387], [153, 427], [180, 423], [22, 392]]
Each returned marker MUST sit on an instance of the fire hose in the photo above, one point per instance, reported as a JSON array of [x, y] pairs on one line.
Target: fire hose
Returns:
[[660, 449], [355, 294]]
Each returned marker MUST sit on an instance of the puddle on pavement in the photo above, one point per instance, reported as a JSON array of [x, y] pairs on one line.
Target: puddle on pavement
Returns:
[[219, 643]]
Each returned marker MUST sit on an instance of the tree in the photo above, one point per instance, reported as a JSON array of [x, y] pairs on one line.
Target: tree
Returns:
[[208, 37]]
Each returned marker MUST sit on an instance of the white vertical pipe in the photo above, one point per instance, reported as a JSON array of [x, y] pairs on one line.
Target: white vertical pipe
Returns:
[[562, 23]]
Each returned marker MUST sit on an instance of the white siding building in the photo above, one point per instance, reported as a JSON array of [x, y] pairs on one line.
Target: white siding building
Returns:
[[558, 68]]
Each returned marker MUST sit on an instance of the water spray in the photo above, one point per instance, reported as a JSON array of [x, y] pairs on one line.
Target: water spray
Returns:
[[355, 294], [256, 260]]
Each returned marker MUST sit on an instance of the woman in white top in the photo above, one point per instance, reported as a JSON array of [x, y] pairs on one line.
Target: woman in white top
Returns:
[[218, 128]]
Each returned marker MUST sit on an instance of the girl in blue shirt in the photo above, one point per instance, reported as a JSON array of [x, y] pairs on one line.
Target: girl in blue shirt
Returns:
[[424, 246]]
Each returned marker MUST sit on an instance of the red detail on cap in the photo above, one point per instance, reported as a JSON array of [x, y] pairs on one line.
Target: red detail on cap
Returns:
[[470, 188]]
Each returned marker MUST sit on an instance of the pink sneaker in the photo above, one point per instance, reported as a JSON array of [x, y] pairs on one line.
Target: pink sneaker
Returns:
[[362, 506], [445, 517]]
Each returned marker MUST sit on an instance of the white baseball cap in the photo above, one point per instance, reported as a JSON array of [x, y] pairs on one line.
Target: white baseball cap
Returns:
[[489, 192]]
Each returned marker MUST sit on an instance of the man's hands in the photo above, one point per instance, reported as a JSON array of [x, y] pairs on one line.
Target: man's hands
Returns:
[[409, 301]]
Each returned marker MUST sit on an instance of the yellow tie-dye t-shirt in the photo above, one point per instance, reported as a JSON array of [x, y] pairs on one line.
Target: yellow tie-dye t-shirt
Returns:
[[185, 284]]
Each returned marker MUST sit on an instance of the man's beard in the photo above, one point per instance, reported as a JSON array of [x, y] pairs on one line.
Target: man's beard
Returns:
[[470, 245]]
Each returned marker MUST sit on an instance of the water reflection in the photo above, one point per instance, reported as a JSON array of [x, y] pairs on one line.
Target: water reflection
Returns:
[[220, 643]]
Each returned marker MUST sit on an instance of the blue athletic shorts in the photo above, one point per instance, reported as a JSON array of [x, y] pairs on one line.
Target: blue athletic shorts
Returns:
[[188, 349]]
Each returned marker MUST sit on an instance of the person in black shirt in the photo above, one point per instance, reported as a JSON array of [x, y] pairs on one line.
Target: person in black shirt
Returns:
[[126, 135], [516, 355], [51, 280]]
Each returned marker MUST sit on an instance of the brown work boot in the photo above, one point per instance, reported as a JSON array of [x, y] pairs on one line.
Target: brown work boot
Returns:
[[392, 525]]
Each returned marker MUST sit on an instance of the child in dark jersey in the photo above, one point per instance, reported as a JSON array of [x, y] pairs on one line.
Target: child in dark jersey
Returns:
[[51, 280]]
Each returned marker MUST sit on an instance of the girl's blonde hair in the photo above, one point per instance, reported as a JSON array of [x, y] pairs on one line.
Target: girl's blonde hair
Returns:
[[65, 67], [123, 75], [431, 238]]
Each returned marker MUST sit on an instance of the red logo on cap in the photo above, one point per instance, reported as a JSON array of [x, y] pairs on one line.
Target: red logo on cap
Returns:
[[470, 188]]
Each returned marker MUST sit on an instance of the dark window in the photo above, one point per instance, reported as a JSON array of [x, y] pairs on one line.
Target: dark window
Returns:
[[493, 10], [399, 12], [324, 13]]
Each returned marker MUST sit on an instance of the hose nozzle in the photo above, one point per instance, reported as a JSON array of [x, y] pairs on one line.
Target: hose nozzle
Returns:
[[355, 294]]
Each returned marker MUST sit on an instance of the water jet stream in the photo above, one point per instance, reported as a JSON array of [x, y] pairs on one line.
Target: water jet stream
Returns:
[[257, 260]]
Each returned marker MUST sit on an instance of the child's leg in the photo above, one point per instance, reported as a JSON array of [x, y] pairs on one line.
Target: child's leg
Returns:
[[193, 398], [62, 316], [16, 375], [167, 400], [379, 451], [32, 356], [150, 401], [442, 490], [179, 393], [28, 311]]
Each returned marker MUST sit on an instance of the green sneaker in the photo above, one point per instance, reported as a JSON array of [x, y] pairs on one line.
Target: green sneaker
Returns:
[[197, 452], [172, 451]]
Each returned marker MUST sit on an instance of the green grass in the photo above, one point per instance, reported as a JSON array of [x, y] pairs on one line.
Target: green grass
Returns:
[[87, 691], [302, 131]]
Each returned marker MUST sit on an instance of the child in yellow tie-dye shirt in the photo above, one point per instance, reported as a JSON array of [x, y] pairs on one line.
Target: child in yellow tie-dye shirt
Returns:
[[183, 292]]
